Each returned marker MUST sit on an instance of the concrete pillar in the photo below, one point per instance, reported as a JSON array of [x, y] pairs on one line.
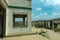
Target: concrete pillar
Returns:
[[53, 26], [24, 21], [13, 21], [48, 24], [43, 24], [29, 22]]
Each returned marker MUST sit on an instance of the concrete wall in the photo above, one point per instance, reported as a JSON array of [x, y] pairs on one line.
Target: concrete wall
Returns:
[[58, 26], [20, 3], [9, 20]]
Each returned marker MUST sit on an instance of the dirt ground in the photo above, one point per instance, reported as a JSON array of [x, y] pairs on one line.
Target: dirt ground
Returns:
[[51, 34]]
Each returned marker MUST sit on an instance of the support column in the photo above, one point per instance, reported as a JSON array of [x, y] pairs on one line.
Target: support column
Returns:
[[24, 21], [48, 24], [53, 26], [13, 21], [44, 25], [29, 21]]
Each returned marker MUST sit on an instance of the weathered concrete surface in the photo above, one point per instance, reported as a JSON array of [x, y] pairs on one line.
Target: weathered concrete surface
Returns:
[[9, 20], [52, 36], [28, 37]]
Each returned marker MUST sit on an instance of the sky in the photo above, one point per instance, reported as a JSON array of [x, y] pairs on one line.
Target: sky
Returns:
[[45, 9]]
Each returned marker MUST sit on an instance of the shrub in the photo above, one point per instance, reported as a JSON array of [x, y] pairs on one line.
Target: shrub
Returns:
[[44, 33]]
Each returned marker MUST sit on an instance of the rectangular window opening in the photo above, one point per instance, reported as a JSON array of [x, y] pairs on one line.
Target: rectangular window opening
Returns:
[[20, 21]]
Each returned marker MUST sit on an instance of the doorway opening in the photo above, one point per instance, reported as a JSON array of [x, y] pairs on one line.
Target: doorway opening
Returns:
[[2, 21]]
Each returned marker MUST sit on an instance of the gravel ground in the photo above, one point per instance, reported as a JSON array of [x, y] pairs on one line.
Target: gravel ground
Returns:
[[28, 37], [51, 34]]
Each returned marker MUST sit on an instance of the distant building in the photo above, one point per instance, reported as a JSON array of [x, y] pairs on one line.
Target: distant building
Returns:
[[56, 23], [10, 12], [50, 24]]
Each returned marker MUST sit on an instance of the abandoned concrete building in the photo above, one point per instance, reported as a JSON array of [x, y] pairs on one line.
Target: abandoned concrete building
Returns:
[[53, 24], [15, 17], [50, 24], [56, 23]]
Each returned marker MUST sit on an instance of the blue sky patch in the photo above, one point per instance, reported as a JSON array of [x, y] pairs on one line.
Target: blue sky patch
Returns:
[[45, 9]]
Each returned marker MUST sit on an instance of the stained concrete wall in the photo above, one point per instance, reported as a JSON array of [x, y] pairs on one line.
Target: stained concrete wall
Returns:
[[58, 26], [20, 3], [9, 20]]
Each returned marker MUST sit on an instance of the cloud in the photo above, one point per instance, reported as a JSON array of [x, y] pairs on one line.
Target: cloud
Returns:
[[48, 2], [38, 9], [45, 13], [51, 2], [41, 16], [46, 10], [45, 16], [35, 16], [41, 0], [56, 2], [54, 14]]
